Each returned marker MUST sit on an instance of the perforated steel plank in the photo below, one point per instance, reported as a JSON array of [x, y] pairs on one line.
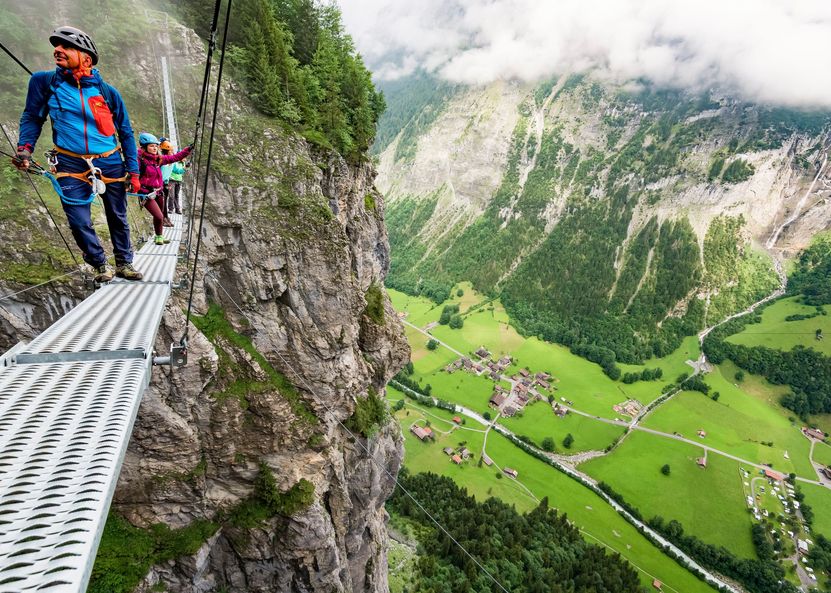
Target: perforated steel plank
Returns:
[[64, 429], [170, 249], [116, 317], [154, 269]]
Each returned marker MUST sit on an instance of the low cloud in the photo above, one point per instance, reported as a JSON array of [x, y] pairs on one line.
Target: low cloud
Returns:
[[772, 51]]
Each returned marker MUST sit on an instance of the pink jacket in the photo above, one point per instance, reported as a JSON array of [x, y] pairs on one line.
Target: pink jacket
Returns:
[[150, 166]]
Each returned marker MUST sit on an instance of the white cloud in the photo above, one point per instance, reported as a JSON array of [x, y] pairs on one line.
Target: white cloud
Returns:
[[775, 51]]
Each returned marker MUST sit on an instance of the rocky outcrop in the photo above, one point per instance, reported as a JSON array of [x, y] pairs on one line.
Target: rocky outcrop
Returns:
[[289, 264]]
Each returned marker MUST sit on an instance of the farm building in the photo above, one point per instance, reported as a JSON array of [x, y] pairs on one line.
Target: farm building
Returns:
[[775, 476], [802, 546], [465, 453], [826, 471], [657, 584], [456, 459], [457, 420], [511, 472], [702, 433], [701, 461], [486, 460], [524, 372], [497, 399], [422, 432], [814, 433], [447, 451], [482, 353]]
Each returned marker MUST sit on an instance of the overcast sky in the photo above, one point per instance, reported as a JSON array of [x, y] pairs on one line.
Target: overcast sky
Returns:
[[774, 51]]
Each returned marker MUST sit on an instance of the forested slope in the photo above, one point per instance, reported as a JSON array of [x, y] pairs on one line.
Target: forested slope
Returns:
[[622, 222]]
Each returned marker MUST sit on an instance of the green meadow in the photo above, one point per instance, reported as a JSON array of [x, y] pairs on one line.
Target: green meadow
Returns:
[[822, 453], [739, 423], [775, 332], [539, 421], [819, 497], [596, 519], [687, 494]]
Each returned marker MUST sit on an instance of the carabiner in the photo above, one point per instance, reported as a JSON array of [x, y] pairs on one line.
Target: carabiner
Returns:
[[52, 160]]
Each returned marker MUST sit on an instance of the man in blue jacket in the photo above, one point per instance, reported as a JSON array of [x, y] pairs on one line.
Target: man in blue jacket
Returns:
[[86, 115]]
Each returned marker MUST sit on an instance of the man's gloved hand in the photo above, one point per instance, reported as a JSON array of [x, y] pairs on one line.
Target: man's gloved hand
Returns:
[[134, 182], [24, 157]]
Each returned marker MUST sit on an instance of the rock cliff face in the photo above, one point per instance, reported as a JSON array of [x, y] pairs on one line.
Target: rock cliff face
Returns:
[[293, 242], [294, 282]]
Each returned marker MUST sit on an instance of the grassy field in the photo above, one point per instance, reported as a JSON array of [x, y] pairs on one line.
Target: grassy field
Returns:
[[822, 454], [577, 379], [633, 469], [466, 389], [539, 421], [775, 332], [738, 423], [599, 522], [819, 497]]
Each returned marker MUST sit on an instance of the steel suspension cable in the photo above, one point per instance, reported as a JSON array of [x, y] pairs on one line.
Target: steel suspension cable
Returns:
[[15, 58], [45, 207], [207, 176], [200, 123]]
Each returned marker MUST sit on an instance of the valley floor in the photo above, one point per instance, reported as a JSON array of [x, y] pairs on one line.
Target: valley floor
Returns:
[[607, 433]]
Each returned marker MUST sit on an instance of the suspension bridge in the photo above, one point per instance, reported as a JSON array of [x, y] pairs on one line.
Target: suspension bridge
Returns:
[[68, 401]]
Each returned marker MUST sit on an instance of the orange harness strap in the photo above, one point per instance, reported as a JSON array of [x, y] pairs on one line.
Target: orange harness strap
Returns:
[[103, 155], [89, 157], [85, 177]]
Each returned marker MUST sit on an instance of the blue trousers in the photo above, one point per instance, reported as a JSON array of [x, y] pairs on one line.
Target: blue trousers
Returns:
[[115, 208]]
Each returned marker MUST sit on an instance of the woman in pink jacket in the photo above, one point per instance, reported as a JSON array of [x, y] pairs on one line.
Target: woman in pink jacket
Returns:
[[150, 165]]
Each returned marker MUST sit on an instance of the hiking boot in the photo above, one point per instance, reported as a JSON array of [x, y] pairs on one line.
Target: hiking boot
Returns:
[[103, 273], [178, 211], [167, 222], [128, 272], [159, 240]]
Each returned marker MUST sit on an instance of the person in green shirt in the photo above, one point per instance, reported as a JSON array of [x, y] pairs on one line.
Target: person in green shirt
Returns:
[[175, 185]]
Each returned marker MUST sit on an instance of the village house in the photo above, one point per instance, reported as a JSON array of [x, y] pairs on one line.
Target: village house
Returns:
[[542, 383], [524, 372], [542, 376], [559, 410], [802, 546], [422, 432], [447, 451], [482, 353], [505, 361], [775, 476], [457, 420], [511, 472], [509, 411], [702, 433], [495, 376], [497, 399], [465, 453], [657, 584], [456, 459], [701, 461], [814, 433], [486, 460], [467, 363]]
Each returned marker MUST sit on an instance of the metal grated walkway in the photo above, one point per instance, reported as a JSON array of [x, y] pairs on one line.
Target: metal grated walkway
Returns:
[[68, 400]]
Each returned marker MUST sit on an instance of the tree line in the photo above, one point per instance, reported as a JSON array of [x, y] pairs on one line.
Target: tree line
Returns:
[[535, 552], [300, 67]]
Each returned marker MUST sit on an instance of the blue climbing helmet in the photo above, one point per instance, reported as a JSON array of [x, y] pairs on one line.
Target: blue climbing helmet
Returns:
[[146, 138]]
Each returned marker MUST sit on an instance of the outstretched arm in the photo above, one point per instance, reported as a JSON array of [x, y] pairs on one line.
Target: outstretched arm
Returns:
[[34, 114], [179, 156]]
